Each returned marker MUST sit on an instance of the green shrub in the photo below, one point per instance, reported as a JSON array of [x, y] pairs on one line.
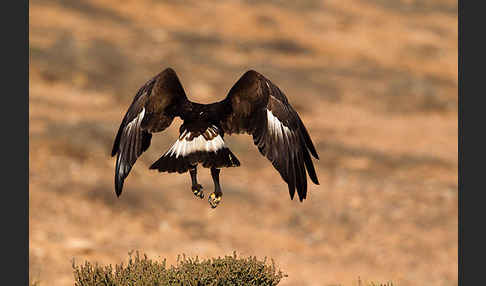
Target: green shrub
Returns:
[[139, 271]]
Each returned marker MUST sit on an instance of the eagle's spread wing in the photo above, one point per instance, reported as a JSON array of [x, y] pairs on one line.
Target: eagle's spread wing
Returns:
[[256, 106], [154, 107]]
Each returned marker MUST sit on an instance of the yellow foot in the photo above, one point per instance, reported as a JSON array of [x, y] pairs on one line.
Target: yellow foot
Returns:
[[214, 200], [197, 190]]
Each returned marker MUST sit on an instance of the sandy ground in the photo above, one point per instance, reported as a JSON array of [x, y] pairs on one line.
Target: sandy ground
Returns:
[[375, 82]]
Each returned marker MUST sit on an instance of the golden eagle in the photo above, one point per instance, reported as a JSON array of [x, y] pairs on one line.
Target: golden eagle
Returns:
[[254, 105]]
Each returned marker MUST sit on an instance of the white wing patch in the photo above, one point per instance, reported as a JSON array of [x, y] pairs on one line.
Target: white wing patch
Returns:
[[136, 121], [184, 147], [276, 127]]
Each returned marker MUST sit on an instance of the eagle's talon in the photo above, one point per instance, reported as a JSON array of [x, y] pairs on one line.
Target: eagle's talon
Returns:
[[197, 190], [214, 200]]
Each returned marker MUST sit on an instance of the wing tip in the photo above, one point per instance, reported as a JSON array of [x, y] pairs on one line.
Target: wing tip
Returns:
[[302, 197], [114, 151], [292, 194], [121, 172], [314, 179], [118, 185]]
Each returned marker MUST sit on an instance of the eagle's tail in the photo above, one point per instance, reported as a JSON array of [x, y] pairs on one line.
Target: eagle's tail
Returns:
[[189, 151]]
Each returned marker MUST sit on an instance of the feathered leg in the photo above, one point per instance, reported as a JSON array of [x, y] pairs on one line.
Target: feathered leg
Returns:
[[215, 198], [196, 188]]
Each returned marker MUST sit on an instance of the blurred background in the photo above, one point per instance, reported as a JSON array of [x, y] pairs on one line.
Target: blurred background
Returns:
[[375, 82]]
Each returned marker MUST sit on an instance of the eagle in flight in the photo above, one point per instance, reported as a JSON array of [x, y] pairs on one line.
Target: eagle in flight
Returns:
[[254, 105]]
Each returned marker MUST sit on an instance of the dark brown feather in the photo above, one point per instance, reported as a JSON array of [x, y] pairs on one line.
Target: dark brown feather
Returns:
[[287, 147], [153, 109]]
